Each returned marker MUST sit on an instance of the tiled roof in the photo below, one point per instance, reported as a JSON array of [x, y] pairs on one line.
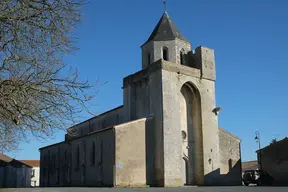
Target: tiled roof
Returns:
[[32, 163], [249, 165], [6, 160]]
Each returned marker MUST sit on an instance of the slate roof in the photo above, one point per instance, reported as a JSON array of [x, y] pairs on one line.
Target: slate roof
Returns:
[[165, 30]]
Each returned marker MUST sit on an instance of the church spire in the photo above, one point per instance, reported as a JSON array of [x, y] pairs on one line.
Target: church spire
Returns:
[[165, 30], [167, 43]]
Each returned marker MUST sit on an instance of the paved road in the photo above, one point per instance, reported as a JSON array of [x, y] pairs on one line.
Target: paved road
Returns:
[[187, 189]]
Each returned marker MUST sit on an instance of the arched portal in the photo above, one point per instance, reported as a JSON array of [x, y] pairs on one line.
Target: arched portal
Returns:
[[191, 124]]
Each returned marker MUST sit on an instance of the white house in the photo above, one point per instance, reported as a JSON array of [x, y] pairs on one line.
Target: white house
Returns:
[[35, 173]]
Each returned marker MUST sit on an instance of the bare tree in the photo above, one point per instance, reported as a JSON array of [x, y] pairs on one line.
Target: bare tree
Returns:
[[38, 95]]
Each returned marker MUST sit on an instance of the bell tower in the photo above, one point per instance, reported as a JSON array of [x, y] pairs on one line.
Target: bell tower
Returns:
[[177, 87], [167, 43]]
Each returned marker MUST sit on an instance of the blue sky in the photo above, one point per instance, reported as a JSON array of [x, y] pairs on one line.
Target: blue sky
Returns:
[[250, 40]]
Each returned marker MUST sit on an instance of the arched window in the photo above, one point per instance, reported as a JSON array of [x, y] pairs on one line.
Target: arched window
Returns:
[[165, 54], [149, 58], [230, 164], [93, 154], [78, 156], [182, 57]]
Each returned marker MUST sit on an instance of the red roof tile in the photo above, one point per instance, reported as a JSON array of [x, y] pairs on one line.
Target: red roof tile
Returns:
[[32, 163]]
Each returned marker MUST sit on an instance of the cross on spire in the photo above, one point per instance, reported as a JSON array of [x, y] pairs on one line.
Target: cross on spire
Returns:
[[165, 4]]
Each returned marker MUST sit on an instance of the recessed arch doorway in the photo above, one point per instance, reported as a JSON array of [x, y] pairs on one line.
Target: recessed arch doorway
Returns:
[[192, 145]]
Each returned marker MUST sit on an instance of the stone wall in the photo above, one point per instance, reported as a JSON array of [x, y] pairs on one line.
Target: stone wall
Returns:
[[173, 78], [130, 169], [143, 97], [182, 46], [72, 163], [205, 61], [102, 121], [154, 49], [230, 158], [158, 86], [147, 54], [174, 48], [15, 177], [114, 156]]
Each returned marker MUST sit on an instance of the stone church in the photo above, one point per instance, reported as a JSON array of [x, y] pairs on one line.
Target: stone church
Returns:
[[166, 133]]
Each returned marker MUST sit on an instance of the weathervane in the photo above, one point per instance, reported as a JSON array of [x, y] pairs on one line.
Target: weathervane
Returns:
[[164, 2]]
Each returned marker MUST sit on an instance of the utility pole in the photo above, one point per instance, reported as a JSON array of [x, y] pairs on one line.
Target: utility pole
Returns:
[[257, 138]]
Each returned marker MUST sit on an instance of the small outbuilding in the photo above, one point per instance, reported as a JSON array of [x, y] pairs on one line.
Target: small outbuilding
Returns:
[[13, 173]]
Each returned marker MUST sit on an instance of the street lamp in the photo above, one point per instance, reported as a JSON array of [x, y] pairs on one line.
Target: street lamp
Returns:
[[257, 138]]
